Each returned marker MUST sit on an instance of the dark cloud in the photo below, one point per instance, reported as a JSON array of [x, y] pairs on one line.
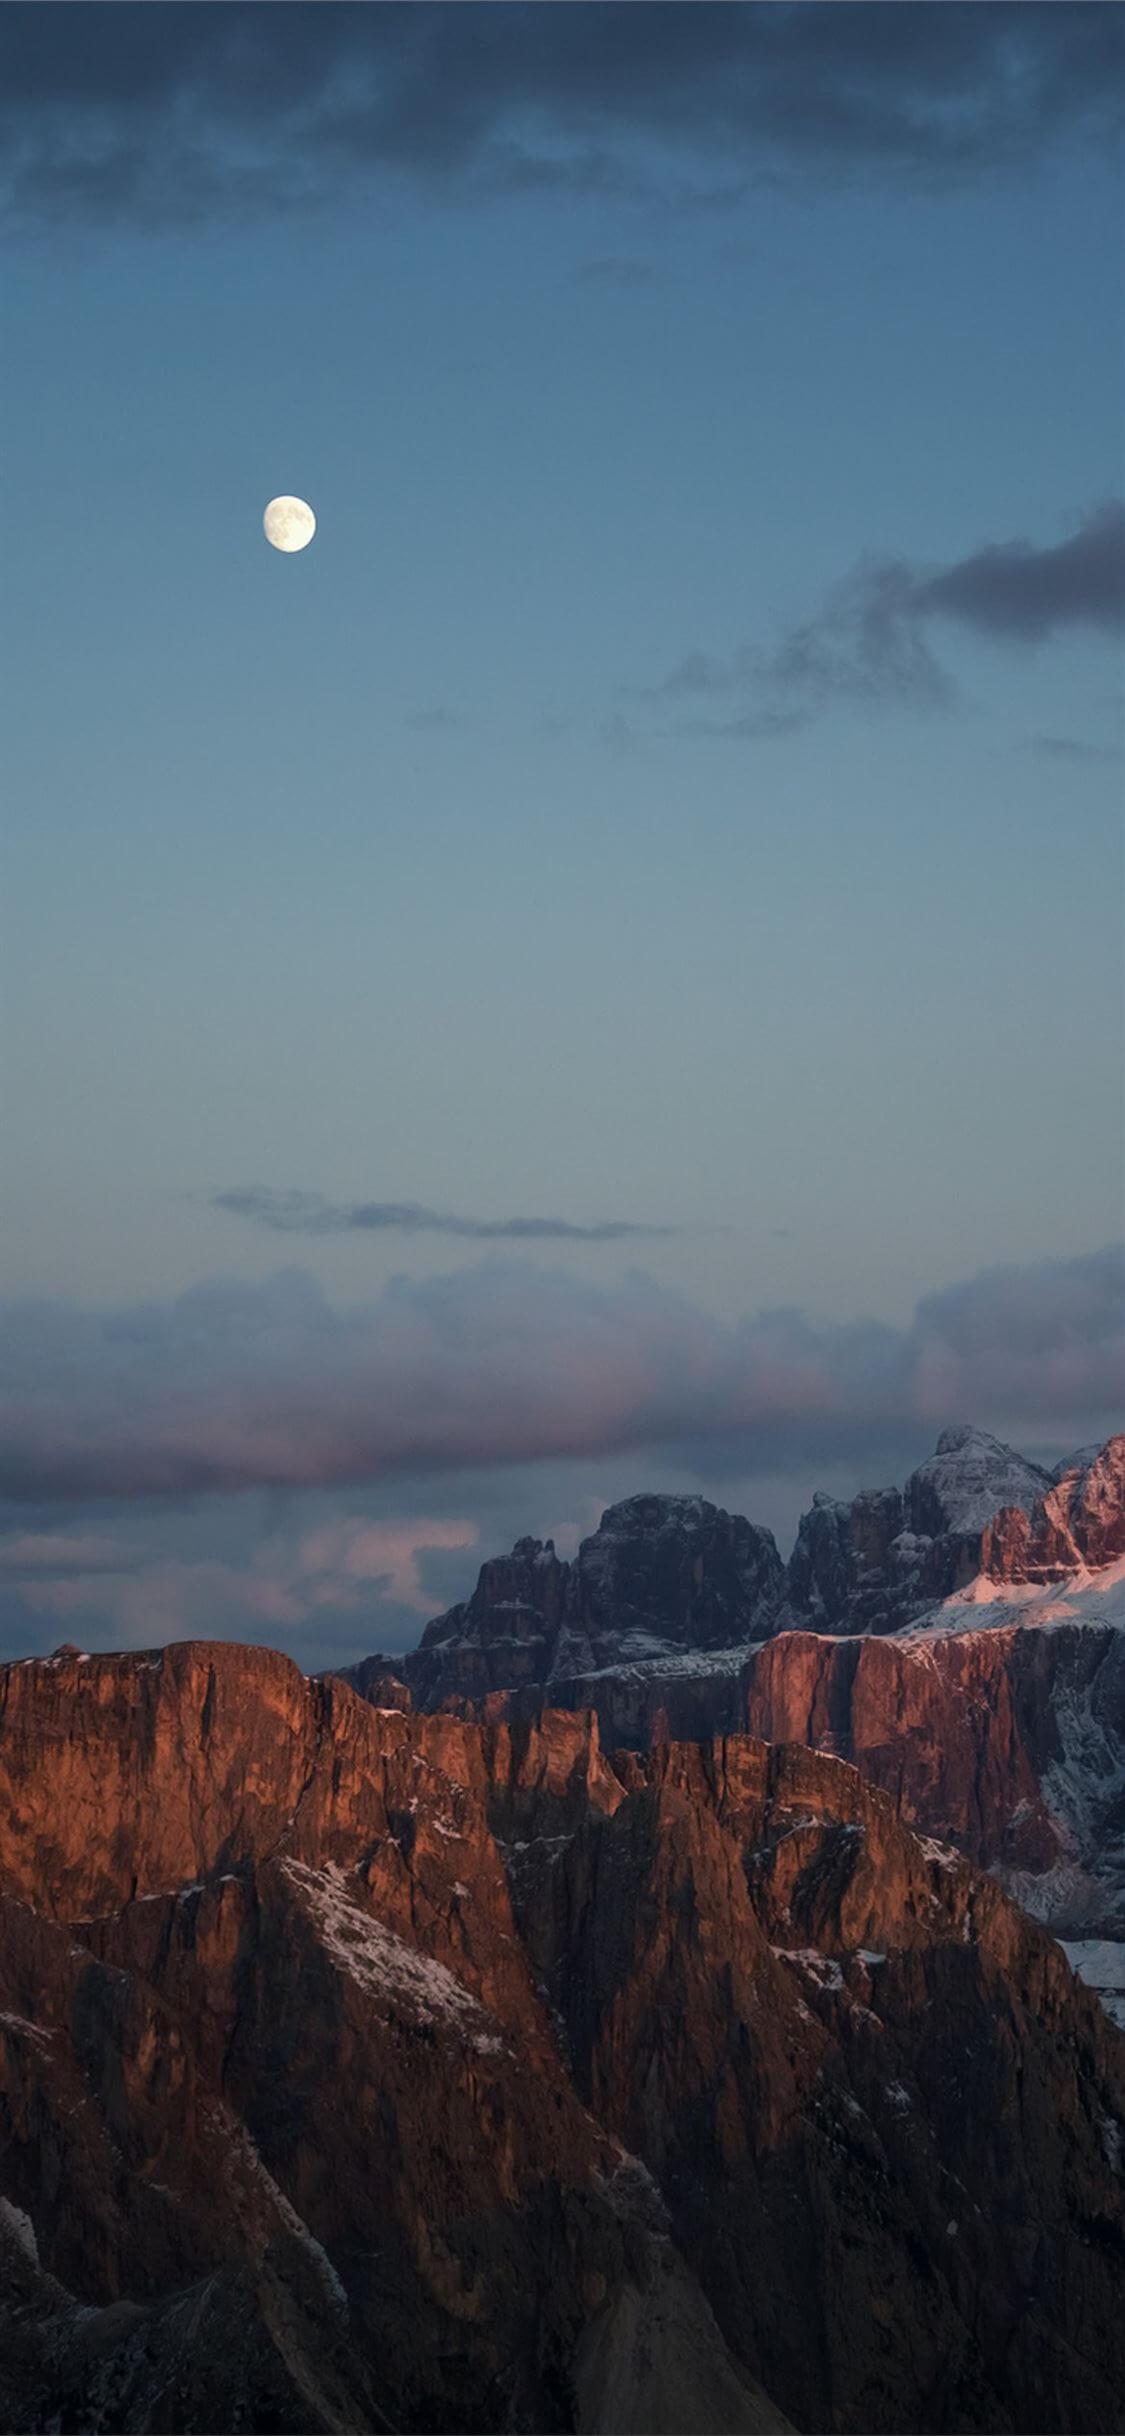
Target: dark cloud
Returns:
[[1015, 589], [237, 1386], [868, 644], [297, 1213], [183, 113]]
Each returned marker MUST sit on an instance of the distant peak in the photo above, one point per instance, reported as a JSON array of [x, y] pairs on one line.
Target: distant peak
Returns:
[[649, 1510], [965, 1434]]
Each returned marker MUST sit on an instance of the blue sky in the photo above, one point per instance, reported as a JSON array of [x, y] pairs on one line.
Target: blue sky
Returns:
[[399, 873]]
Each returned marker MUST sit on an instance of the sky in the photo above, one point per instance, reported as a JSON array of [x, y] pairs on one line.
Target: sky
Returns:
[[606, 970]]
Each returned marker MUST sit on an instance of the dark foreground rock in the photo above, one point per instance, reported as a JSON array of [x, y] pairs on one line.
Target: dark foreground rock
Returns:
[[361, 2069]]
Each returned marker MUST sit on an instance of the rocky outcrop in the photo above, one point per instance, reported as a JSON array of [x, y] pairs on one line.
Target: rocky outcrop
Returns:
[[1001, 1727], [673, 1571], [1077, 1525], [1008, 1741], [877, 1563], [653, 1621], [272, 2058], [370, 2069], [772, 2017], [506, 1634], [660, 1576]]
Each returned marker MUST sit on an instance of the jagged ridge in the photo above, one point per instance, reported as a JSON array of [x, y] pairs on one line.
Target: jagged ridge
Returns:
[[1014, 1748], [460, 2064]]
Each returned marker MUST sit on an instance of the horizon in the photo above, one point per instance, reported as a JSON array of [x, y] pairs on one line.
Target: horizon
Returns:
[[604, 970], [404, 1559]]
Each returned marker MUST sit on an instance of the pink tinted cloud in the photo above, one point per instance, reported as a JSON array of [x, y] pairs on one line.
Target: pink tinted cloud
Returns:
[[504, 1363], [346, 1566]]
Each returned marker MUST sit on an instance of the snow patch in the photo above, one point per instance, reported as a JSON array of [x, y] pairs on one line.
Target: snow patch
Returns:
[[243, 2154], [387, 1969], [17, 2223], [943, 1855], [1100, 1962], [823, 1968], [24, 2028], [987, 1606]]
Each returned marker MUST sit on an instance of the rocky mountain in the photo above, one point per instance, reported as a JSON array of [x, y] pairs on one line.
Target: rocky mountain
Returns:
[[368, 2069], [908, 1634], [975, 1507], [1077, 1526], [874, 1564], [677, 1579], [660, 1576], [1008, 1739]]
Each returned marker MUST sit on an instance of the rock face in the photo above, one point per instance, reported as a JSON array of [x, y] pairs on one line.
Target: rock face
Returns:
[[653, 1621], [660, 1576], [875, 1564], [677, 1622], [361, 2069], [281, 2103], [673, 1571], [1078, 1524], [1008, 1742]]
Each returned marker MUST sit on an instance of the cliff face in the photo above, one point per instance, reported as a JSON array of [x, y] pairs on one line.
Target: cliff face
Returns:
[[660, 1575], [365, 2069], [676, 1588], [272, 2057], [1078, 1524], [996, 1721], [995, 1713], [1009, 1741], [873, 1565]]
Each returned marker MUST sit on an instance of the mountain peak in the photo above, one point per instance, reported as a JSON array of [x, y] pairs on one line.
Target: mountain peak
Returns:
[[654, 1511], [966, 1434], [969, 1478]]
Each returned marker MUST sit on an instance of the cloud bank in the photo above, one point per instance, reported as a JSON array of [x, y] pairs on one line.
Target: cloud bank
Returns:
[[298, 1213], [177, 115], [236, 1386], [344, 1576]]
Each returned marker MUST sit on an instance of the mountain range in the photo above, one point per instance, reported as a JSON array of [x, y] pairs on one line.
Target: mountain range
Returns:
[[958, 1639], [626, 2012]]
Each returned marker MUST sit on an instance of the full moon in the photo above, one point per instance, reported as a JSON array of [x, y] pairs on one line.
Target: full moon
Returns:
[[289, 524]]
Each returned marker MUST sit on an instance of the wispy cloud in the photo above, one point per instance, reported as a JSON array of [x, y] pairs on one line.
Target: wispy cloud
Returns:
[[616, 271], [506, 1363], [1073, 748], [298, 1213], [869, 641], [173, 115], [48, 1556]]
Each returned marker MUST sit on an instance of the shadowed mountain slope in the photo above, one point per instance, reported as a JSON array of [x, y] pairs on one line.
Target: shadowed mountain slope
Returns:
[[365, 2070]]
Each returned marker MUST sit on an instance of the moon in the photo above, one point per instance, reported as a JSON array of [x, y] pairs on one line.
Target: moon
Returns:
[[289, 524]]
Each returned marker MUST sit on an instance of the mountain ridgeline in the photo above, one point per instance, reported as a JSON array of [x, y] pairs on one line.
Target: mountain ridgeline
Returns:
[[665, 1576], [623, 2024], [906, 1634], [368, 2070]]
